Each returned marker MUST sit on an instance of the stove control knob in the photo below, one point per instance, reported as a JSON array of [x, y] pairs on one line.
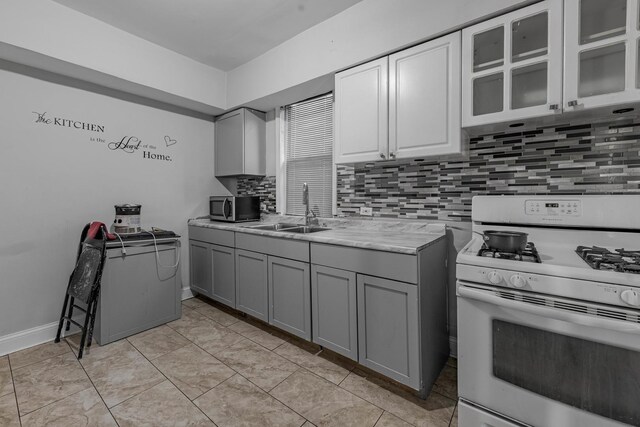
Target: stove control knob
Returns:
[[518, 281], [631, 297], [494, 277]]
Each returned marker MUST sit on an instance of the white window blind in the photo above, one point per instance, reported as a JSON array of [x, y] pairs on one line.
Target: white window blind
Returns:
[[308, 155]]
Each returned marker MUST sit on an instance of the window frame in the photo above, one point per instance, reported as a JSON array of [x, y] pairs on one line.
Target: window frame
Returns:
[[281, 161]]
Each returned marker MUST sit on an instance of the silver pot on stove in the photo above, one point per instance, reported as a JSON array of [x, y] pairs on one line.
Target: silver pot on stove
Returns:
[[505, 241]]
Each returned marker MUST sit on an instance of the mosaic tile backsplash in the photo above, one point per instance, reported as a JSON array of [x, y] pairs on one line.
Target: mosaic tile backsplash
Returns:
[[259, 186], [576, 158]]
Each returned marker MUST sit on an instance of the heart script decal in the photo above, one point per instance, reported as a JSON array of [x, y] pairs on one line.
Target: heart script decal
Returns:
[[169, 141]]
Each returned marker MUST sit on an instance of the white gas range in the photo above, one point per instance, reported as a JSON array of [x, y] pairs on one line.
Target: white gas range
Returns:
[[545, 338]]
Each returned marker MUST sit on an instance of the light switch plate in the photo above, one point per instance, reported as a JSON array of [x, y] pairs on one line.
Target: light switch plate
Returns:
[[364, 211]]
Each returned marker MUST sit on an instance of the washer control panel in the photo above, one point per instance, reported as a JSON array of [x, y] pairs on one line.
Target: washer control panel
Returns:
[[553, 207]]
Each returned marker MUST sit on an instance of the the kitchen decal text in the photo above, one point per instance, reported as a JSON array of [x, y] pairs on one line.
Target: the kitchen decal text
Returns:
[[57, 121]]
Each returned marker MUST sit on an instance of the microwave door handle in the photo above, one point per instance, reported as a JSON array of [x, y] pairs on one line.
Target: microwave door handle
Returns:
[[590, 322], [224, 208]]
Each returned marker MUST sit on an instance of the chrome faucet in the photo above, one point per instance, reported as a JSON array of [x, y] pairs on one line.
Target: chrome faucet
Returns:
[[308, 213]]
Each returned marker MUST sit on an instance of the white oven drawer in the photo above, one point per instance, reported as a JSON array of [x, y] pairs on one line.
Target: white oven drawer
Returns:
[[547, 366]]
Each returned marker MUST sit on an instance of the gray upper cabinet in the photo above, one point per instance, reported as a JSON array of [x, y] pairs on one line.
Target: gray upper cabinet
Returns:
[[334, 310], [223, 275], [406, 105], [424, 99], [388, 328], [251, 284], [289, 296], [200, 267], [361, 109], [240, 143]]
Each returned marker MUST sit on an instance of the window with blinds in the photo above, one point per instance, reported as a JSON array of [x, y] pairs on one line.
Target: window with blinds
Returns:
[[308, 155]]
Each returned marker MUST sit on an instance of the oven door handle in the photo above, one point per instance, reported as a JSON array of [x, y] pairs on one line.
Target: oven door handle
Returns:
[[542, 311]]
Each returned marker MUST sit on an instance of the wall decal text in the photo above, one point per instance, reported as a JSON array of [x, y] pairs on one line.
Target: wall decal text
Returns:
[[128, 144], [57, 121]]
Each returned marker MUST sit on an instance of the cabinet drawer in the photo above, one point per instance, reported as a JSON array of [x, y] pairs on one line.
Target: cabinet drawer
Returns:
[[285, 248], [212, 235], [375, 263]]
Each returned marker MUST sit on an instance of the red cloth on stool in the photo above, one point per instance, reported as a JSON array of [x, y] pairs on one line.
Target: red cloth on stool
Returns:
[[95, 231]]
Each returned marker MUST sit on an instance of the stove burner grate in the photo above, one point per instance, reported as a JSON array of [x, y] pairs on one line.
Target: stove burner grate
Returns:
[[529, 254], [623, 261]]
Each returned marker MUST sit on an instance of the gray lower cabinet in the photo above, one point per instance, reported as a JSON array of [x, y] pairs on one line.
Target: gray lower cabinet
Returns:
[[289, 296], [388, 328], [251, 284], [200, 267], [223, 274], [385, 310], [334, 310]]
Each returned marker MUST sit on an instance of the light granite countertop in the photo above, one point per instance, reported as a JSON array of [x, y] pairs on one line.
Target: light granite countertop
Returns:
[[399, 236]]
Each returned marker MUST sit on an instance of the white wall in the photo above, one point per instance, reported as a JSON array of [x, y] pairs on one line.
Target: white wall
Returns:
[[55, 31], [50, 36], [55, 179], [369, 29]]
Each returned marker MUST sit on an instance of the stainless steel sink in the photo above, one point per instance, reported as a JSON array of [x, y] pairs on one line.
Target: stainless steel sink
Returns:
[[273, 227], [288, 228], [305, 229]]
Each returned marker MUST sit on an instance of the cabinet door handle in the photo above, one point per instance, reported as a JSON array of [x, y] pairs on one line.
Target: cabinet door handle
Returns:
[[392, 155], [554, 107], [382, 156], [573, 103]]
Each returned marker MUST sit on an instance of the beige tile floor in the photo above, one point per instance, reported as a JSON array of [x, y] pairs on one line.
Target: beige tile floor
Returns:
[[210, 368]]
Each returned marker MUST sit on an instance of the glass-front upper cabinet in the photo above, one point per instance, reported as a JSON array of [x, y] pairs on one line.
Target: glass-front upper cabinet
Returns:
[[601, 53], [512, 66]]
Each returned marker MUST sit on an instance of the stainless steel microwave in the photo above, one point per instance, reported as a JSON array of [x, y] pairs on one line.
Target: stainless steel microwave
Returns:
[[234, 208]]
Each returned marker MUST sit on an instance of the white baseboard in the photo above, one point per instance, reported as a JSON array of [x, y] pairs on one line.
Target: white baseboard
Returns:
[[30, 337], [45, 333], [453, 346], [186, 293]]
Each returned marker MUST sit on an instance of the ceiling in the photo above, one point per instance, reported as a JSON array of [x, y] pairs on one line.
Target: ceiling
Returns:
[[220, 33]]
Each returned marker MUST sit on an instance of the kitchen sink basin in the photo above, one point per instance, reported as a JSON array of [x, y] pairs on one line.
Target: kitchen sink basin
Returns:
[[274, 227], [305, 229], [289, 228]]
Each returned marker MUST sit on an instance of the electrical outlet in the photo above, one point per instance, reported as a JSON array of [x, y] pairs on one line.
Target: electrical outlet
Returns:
[[364, 211]]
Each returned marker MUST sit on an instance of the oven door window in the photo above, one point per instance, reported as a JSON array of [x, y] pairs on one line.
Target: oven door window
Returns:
[[598, 378]]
